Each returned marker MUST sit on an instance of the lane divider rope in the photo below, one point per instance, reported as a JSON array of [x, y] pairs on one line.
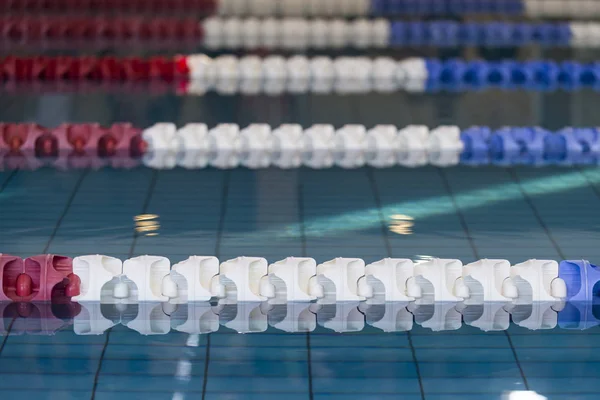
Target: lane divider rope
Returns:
[[338, 285], [580, 9], [300, 73], [294, 33], [225, 146]]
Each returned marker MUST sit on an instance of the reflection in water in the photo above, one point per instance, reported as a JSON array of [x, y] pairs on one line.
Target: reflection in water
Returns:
[[523, 395], [401, 224], [147, 224], [202, 318], [439, 205]]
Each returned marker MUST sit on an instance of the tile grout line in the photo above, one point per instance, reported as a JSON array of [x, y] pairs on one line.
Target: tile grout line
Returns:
[[311, 395], [131, 250], [145, 206], [515, 178], [591, 185], [66, 209], [8, 179], [206, 361], [220, 227], [413, 352], [459, 213], [301, 218], [536, 213], [3, 344], [303, 241], [376, 195], [99, 368], [463, 222], [514, 351], [223, 211]]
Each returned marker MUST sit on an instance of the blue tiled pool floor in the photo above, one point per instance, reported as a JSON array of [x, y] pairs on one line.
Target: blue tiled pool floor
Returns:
[[460, 213], [464, 213]]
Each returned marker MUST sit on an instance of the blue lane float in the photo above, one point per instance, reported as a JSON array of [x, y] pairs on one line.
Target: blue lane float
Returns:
[[581, 278], [485, 34], [530, 146], [165, 146], [541, 75], [446, 7]]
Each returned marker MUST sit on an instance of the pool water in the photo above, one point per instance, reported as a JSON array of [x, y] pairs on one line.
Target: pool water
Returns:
[[461, 212]]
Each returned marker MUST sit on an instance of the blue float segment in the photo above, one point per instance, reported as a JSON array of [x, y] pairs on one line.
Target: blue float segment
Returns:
[[444, 34], [446, 7], [578, 315], [416, 34], [398, 34], [552, 34], [497, 34], [395, 7], [499, 74], [514, 7], [433, 82], [522, 34], [530, 146], [476, 145], [452, 74], [581, 278], [491, 34], [570, 74], [573, 146], [514, 146], [476, 74], [522, 76], [590, 75], [545, 74], [589, 138], [534, 75], [470, 34], [379, 7], [563, 148]]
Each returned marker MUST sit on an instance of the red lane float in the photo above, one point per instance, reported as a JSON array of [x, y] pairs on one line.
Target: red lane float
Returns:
[[71, 140], [70, 28], [10, 268], [91, 68], [199, 7], [45, 277]]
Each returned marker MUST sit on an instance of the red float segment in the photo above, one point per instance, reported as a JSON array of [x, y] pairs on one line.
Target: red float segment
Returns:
[[18, 138], [10, 269], [40, 278], [90, 68], [49, 277], [200, 7], [24, 286], [93, 139], [72, 141], [33, 28]]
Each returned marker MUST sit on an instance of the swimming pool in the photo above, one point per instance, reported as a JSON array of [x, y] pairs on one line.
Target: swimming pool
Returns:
[[462, 212]]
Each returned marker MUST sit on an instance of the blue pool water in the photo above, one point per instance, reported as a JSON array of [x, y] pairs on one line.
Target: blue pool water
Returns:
[[465, 213]]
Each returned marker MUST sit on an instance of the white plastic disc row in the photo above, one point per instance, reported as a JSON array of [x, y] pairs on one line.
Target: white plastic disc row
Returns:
[[584, 9], [300, 74], [335, 288], [252, 279], [294, 33], [585, 34], [290, 146], [349, 8]]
